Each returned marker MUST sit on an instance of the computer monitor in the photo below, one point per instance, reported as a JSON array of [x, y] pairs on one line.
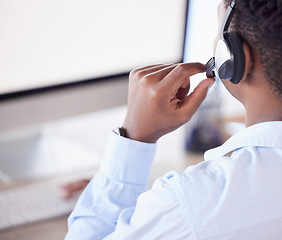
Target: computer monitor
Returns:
[[64, 57]]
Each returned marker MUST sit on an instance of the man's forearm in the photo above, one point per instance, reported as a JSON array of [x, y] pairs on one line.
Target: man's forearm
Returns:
[[123, 176]]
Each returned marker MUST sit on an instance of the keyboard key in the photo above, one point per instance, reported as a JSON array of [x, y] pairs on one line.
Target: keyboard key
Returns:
[[33, 203]]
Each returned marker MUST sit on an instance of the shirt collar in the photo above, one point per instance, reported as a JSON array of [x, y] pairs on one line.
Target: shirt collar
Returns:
[[266, 134]]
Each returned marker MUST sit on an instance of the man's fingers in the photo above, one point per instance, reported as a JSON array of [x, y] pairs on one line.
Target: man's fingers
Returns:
[[181, 73], [193, 101], [72, 188], [174, 75], [160, 74], [142, 72], [179, 77]]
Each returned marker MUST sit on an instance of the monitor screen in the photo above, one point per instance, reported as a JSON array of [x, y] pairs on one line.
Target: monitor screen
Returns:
[[49, 49], [47, 43]]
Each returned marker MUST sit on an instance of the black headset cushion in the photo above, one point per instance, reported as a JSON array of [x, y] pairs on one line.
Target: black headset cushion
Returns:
[[236, 48]]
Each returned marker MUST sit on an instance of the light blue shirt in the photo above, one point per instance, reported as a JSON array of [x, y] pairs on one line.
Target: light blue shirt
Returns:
[[237, 197]]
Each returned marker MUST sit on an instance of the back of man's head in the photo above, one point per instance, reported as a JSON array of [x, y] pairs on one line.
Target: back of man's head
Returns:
[[259, 24]]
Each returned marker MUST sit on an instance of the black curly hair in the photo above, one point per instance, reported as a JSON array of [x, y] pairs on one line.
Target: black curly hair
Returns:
[[259, 24]]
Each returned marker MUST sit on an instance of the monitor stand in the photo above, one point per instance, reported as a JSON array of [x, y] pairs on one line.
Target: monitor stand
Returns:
[[37, 154]]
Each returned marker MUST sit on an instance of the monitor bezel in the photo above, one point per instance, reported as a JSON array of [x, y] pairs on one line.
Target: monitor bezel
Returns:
[[85, 82]]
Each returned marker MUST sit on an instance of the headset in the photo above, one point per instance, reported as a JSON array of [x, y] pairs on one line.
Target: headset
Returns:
[[229, 59]]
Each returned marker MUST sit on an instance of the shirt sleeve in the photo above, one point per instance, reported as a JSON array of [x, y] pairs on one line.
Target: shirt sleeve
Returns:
[[123, 176], [159, 214]]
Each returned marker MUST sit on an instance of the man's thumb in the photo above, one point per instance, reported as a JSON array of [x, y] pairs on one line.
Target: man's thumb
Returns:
[[193, 101]]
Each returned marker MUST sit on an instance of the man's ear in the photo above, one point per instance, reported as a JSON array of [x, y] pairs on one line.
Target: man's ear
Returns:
[[248, 62]]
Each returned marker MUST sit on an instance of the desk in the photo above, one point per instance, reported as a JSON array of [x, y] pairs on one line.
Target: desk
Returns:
[[56, 229], [85, 129]]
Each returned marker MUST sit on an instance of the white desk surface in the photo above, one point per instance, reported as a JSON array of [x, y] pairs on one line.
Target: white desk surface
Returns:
[[92, 130]]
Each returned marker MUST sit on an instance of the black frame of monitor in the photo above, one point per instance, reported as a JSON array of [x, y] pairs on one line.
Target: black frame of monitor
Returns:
[[18, 94], [36, 105]]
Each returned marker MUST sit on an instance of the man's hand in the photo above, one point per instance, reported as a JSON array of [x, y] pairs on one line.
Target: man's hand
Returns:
[[158, 101], [71, 189]]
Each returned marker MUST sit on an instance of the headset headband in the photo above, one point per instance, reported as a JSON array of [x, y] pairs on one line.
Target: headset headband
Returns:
[[210, 66], [227, 19]]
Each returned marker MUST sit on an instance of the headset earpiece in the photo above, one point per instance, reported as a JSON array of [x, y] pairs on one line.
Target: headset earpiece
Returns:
[[229, 59], [237, 53]]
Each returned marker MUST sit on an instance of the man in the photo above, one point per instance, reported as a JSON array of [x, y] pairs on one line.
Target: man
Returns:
[[236, 197]]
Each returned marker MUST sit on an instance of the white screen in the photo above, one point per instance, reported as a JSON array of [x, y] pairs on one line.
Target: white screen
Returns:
[[52, 42]]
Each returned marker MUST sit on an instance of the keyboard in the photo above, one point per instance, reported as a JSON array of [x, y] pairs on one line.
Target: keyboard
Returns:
[[32, 203]]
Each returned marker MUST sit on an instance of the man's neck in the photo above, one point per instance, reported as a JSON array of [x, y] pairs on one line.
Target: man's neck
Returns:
[[263, 108]]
